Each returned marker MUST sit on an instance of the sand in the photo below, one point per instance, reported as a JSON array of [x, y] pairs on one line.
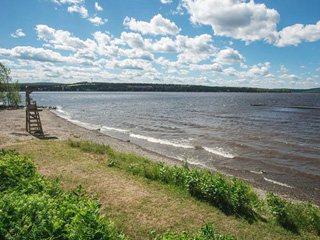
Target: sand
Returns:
[[12, 130]]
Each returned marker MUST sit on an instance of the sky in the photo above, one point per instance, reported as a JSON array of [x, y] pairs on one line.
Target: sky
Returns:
[[244, 43]]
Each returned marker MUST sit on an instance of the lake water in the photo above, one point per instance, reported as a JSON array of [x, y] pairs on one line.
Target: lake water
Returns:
[[215, 130]]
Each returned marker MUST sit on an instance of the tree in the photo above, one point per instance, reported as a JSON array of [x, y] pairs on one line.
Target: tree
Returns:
[[9, 91]]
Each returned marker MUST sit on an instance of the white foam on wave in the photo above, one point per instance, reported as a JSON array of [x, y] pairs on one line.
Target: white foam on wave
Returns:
[[104, 128], [256, 172], [60, 112], [219, 151], [67, 116], [278, 183], [160, 141]]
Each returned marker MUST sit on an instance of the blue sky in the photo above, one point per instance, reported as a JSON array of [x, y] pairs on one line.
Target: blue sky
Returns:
[[261, 43]]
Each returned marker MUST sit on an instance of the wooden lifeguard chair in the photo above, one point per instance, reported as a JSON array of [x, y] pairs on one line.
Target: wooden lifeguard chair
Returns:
[[33, 122]]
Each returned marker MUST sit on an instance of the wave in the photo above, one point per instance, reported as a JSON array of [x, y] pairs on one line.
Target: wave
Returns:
[[216, 151], [219, 151], [68, 116], [278, 183], [160, 141], [103, 129]]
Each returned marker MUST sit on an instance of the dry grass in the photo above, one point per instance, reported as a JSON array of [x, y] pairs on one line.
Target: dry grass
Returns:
[[135, 204]]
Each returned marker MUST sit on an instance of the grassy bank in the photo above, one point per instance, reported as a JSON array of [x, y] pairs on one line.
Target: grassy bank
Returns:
[[141, 196], [33, 207]]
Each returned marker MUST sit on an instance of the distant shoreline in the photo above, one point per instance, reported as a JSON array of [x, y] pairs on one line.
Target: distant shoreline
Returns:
[[145, 87]]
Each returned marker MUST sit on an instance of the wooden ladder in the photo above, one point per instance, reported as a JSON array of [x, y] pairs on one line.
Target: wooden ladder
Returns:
[[33, 122]]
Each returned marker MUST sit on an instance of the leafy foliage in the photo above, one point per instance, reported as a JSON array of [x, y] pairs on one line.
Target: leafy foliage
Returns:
[[295, 217], [9, 92], [206, 232], [32, 207]]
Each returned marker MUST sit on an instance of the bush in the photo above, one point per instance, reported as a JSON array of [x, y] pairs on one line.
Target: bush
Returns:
[[206, 232], [294, 217], [32, 207]]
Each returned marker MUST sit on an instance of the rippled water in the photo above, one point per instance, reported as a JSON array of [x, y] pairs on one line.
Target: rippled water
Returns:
[[231, 132]]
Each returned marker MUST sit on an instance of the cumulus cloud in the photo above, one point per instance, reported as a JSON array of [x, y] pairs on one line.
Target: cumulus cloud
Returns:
[[229, 56], [289, 77], [157, 26], [295, 34], [259, 70], [248, 21], [283, 69], [238, 19], [166, 1], [31, 53], [63, 40], [97, 21], [79, 9], [195, 49], [68, 1], [97, 6], [18, 33]]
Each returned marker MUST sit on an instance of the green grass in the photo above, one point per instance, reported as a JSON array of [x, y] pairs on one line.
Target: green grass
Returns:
[[141, 205], [232, 196], [33, 207]]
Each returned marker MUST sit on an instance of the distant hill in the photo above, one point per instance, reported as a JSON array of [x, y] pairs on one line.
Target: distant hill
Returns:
[[312, 90], [138, 87]]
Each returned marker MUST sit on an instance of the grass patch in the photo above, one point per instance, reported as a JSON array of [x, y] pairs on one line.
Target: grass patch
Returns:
[[139, 205], [33, 207], [232, 196]]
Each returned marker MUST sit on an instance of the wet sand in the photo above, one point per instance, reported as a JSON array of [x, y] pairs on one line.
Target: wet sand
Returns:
[[12, 129]]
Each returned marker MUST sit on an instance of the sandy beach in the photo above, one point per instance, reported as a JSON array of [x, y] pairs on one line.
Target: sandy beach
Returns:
[[12, 131]]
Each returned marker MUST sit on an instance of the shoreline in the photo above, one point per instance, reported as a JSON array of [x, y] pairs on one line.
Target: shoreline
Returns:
[[12, 126]]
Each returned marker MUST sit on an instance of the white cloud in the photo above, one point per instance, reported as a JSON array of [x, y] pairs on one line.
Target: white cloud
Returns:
[[97, 6], [215, 67], [63, 40], [165, 45], [166, 1], [289, 77], [195, 49], [101, 38], [79, 9], [18, 33], [238, 19], [229, 56], [68, 1], [31, 53], [135, 40], [157, 26], [283, 69], [318, 69], [295, 34], [259, 70], [137, 54], [97, 21]]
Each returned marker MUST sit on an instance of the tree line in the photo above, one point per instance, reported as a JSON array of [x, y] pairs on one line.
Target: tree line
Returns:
[[9, 90]]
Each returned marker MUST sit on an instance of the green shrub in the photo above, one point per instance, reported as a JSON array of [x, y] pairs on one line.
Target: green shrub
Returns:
[[206, 232], [301, 216], [32, 207]]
